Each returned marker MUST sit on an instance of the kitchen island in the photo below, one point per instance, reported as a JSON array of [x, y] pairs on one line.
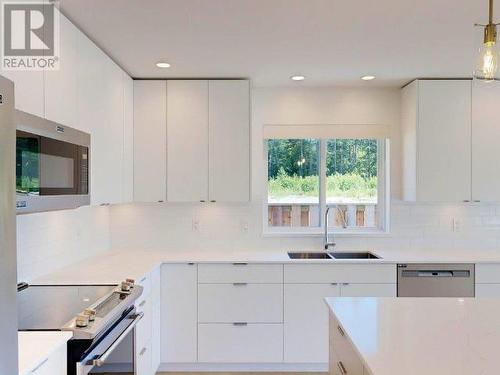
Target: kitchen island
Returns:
[[414, 336]]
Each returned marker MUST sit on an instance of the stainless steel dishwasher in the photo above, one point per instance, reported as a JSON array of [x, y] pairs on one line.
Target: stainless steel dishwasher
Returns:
[[435, 280]]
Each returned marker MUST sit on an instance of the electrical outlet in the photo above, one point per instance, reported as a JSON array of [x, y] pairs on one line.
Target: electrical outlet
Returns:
[[244, 226], [196, 225], [456, 225]]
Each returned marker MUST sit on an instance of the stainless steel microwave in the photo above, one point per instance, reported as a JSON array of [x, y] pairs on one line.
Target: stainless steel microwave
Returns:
[[52, 165]]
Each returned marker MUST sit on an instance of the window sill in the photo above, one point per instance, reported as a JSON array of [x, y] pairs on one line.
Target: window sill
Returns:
[[336, 234]]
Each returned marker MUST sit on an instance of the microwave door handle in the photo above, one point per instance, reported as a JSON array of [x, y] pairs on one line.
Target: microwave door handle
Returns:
[[104, 356]]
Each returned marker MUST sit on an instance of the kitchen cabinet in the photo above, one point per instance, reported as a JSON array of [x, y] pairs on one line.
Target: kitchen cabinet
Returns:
[[149, 137], [306, 322], [61, 85], [229, 140], [343, 357], [156, 311], [179, 330], [128, 139], [240, 343], [187, 141], [487, 279], [305, 312], [485, 133], [208, 141], [55, 364], [436, 138]]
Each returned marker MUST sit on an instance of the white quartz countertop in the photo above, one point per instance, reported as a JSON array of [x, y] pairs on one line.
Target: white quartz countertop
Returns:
[[35, 347], [114, 267], [415, 336]]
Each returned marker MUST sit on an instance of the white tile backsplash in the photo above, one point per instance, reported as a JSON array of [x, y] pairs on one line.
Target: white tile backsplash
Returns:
[[169, 227], [50, 240]]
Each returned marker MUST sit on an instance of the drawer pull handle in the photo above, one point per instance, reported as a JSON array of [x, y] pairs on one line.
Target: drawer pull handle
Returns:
[[40, 365], [341, 367], [240, 324], [240, 264], [335, 284], [239, 284], [143, 279], [345, 284], [341, 331], [143, 351], [142, 303], [190, 264]]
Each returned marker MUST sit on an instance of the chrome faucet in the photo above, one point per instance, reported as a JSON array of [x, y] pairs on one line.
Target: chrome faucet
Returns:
[[327, 243]]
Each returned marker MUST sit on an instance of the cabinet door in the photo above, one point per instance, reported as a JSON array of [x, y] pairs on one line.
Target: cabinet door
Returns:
[[485, 135], [150, 153], [155, 334], [28, 90], [187, 141], [55, 364], [443, 141], [306, 322], [368, 290], [179, 313], [128, 139], [143, 360], [488, 290], [229, 141], [61, 85]]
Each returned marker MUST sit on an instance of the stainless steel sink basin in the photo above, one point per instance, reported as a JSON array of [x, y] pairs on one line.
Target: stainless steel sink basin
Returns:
[[309, 255], [353, 255]]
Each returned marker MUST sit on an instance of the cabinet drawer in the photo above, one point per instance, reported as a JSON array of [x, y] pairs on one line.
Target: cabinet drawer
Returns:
[[488, 290], [487, 273], [145, 282], [143, 360], [240, 273], [251, 303], [144, 327], [344, 359], [240, 343], [55, 364], [340, 273]]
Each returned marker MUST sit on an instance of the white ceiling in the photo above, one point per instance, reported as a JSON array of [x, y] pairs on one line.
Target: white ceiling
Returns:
[[331, 42]]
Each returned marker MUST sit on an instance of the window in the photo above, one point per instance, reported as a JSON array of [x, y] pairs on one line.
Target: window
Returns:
[[305, 176]]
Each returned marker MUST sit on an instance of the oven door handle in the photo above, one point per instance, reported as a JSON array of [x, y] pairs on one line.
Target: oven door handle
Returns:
[[104, 356]]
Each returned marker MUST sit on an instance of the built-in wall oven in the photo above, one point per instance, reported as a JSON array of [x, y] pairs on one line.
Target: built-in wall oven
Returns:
[[52, 165]]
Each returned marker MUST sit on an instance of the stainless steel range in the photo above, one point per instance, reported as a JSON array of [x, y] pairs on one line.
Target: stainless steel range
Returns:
[[101, 317]]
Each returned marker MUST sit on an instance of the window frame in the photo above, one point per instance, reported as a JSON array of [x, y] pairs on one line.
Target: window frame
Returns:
[[383, 197]]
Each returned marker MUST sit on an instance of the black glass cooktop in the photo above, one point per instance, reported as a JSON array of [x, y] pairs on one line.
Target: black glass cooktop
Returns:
[[50, 307]]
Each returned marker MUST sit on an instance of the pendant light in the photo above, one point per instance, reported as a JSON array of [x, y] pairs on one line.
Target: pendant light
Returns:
[[487, 68]]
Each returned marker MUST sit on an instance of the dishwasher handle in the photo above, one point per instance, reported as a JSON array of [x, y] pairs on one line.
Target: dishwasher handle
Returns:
[[435, 273]]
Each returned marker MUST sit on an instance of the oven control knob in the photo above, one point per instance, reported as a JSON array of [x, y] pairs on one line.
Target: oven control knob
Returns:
[[125, 286], [82, 321], [91, 313], [131, 282]]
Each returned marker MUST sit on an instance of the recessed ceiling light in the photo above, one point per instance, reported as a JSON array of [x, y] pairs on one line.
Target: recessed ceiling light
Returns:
[[297, 78], [368, 78], [163, 64]]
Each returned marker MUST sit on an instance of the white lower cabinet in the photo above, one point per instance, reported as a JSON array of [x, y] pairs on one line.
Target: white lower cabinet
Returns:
[[179, 313], [240, 302], [368, 290], [144, 364], [55, 364], [343, 358], [487, 280], [156, 313], [240, 343], [306, 321]]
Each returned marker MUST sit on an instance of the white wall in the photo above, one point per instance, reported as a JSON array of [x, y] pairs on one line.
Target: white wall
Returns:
[[169, 227], [51, 240]]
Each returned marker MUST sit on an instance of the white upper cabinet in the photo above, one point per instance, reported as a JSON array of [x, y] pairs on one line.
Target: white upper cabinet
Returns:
[[150, 153], [128, 139], [436, 135], [485, 135], [229, 141], [28, 90], [61, 85], [187, 141], [208, 141]]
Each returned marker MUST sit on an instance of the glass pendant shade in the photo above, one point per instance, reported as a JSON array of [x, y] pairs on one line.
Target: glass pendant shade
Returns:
[[487, 62]]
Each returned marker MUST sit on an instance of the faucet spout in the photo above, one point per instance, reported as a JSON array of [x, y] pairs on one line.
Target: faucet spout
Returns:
[[327, 241]]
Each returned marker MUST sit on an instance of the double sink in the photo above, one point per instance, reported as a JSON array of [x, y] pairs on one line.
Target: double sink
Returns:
[[332, 255]]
